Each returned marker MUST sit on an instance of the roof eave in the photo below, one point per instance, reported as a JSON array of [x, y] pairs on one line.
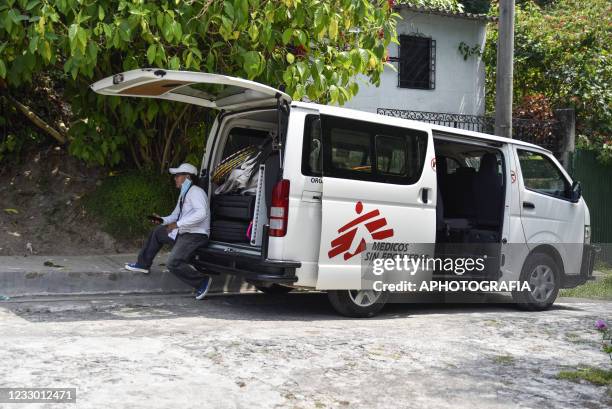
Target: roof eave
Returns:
[[445, 13]]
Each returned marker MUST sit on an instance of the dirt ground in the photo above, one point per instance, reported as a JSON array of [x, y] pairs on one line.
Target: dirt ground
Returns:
[[40, 204], [257, 351]]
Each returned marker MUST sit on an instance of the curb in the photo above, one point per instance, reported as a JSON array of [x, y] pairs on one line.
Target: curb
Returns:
[[88, 275]]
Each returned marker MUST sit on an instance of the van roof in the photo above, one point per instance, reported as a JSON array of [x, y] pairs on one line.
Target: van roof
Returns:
[[372, 117]]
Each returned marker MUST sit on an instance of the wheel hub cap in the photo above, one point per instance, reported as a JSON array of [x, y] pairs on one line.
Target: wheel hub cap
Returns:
[[542, 283], [364, 298]]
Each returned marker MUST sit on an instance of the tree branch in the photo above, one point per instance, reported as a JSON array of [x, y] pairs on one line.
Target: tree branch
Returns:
[[169, 137], [38, 121]]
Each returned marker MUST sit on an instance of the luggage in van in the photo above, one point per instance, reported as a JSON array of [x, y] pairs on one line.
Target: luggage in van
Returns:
[[230, 231], [233, 207]]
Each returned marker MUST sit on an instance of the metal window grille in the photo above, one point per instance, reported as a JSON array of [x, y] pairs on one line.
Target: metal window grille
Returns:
[[417, 62], [546, 133]]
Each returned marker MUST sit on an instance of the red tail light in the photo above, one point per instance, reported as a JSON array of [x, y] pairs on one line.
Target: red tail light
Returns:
[[279, 211]]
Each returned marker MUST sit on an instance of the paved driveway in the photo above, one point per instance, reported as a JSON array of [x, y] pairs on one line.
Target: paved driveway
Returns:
[[253, 350]]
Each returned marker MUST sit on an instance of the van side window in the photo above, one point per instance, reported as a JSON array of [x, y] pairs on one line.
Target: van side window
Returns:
[[312, 149], [391, 155], [350, 150], [542, 175], [369, 151]]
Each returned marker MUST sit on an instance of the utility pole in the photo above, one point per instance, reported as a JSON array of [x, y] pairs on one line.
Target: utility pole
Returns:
[[505, 60]]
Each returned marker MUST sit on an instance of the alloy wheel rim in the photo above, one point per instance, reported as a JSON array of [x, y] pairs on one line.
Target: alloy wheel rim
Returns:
[[542, 283], [364, 298]]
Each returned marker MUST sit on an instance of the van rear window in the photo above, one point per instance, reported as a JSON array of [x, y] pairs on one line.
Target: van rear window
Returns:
[[350, 149], [240, 138]]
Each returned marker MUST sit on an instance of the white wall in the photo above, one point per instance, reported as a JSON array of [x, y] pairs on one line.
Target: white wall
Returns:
[[459, 83]]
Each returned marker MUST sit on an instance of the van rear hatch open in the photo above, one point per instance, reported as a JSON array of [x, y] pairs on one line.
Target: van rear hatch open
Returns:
[[229, 94], [197, 88]]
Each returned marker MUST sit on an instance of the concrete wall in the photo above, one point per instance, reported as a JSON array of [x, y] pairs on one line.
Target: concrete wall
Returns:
[[459, 83]]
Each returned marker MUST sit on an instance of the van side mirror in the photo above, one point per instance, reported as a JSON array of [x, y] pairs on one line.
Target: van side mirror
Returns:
[[575, 192]]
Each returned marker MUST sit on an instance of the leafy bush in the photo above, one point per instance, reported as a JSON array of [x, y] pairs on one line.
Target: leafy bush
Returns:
[[562, 53], [121, 203], [308, 46]]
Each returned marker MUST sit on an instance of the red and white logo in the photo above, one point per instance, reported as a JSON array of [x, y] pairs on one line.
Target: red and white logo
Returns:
[[348, 232]]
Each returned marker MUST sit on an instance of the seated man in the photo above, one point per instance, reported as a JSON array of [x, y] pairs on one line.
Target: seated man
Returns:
[[187, 228]]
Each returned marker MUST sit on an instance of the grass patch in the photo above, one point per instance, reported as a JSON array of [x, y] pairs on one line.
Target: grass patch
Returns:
[[598, 289], [121, 203], [596, 376], [504, 360]]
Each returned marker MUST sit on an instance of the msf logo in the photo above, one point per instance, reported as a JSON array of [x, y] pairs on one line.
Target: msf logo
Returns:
[[373, 224]]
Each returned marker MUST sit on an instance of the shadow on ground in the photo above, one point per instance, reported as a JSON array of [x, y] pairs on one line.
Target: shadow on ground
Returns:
[[299, 306]]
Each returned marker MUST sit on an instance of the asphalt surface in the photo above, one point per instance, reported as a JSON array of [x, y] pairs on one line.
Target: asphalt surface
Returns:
[[259, 351]]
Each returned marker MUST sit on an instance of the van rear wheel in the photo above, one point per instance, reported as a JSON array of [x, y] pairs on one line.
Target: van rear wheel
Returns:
[[358, 303], [542, 274]]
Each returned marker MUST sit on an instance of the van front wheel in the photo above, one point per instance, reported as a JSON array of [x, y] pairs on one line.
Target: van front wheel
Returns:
[[542, 274], [358, 303]]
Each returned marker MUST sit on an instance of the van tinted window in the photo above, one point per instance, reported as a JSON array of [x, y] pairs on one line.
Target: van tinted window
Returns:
[[391, 155], [312, 152], [350, 150], [542, 175], [362, 150]]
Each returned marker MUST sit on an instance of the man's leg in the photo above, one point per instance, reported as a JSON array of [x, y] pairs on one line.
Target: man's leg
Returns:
[[157, 238], [179, 261]]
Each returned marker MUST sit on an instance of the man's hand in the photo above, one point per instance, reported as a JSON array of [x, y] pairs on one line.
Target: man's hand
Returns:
[[171, 226], [156, 221]]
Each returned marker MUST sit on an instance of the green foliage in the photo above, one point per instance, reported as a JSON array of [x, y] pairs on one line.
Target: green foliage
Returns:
[[562, 51], [441, 5], [308, 46], [13, 139], [121, 203], [595, 376], [598, 289], [467, 51], [476, 6]]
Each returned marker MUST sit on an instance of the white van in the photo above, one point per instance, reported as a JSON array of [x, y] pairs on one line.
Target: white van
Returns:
[[330, 170]]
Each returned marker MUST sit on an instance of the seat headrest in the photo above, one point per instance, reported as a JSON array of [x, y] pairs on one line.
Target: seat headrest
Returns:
[[488, 163]]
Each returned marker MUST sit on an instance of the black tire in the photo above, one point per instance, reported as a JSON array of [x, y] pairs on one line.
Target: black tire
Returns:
[[344, 303], [274, 289], [545, 287]]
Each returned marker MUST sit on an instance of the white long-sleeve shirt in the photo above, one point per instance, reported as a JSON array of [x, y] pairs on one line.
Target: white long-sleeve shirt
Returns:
[[195, 217]]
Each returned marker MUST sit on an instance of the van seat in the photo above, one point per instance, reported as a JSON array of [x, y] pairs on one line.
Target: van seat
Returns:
[[460, 197]]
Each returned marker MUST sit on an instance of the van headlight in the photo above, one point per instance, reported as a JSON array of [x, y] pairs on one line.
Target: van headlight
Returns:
[[587, 234]]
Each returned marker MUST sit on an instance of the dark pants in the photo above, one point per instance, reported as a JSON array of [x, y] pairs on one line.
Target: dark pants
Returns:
[[182, 251]]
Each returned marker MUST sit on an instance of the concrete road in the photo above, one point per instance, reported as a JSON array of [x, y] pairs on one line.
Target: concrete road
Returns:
[[258, 351]]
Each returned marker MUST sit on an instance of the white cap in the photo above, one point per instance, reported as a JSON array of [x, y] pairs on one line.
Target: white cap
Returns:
[[184, 168]]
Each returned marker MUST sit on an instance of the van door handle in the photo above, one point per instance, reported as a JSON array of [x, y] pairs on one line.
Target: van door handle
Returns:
[[311, 196], [425, 195], [528, 205]]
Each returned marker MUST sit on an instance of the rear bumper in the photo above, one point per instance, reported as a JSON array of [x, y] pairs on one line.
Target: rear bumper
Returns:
[[249, 266], [586, 268]]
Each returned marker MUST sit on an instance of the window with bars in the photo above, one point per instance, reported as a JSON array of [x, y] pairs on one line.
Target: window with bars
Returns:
[[417, 62]]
